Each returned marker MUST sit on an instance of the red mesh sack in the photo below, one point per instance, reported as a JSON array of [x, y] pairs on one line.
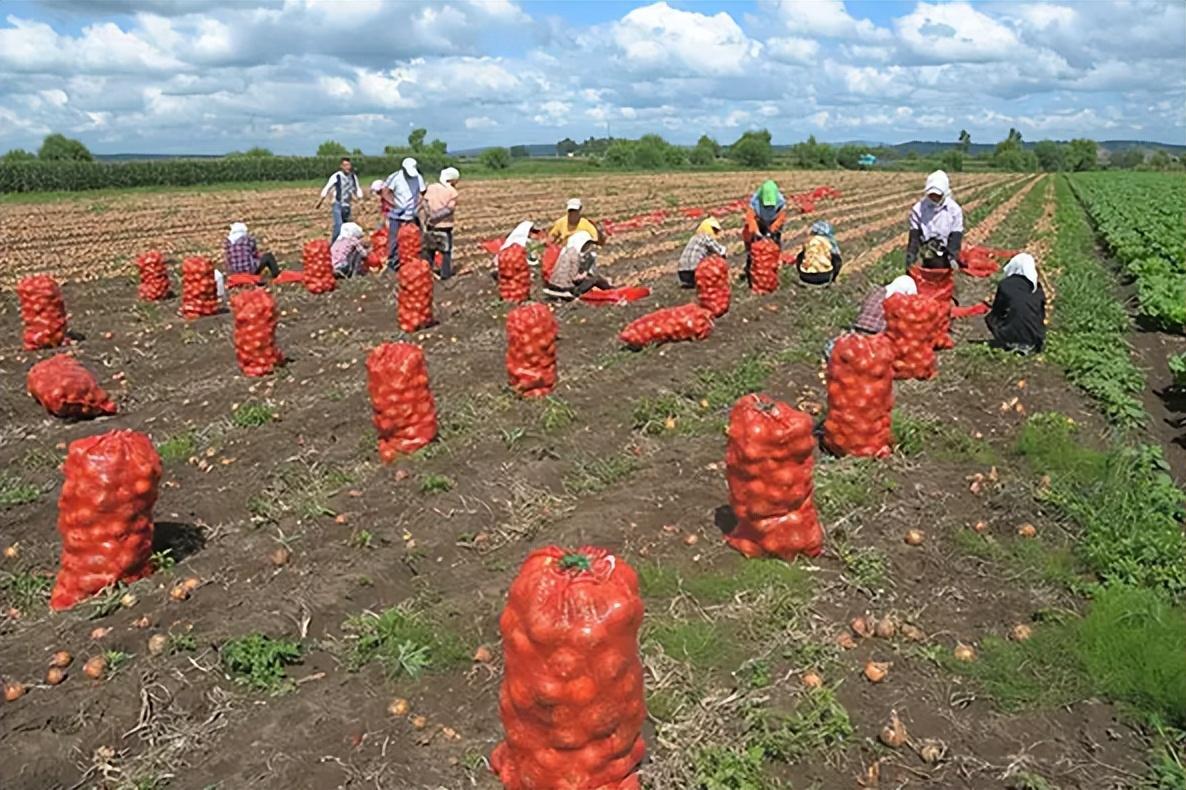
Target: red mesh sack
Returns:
[[414, 307], [547, 261], [938, 284], [910, 324], [763, 269], [571, 700], [768, 466], [712, 285], [199, 292], [686, 322], [154, 277], [531, 349], [408, 239], [67, 389], [255, 332], [377, 257], [405, 412], [860, 395], [514, 278], [318, 267], [43, 312], [105, 514]]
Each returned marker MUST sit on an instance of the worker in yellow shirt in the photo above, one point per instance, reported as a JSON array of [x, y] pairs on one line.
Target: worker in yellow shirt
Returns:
[[571, 222]]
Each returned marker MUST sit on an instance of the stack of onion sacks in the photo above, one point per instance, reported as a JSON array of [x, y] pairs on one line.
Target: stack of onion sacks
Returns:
[[911, 322], [154, 277], [199, 292], [317, 264], [67, 389], [404, 410], [514, 278], [764, 263], [255, 332], [669, 324], [860, 395], [414, 308], [938, 284], [712, 285], [531, 350], [43, 313]]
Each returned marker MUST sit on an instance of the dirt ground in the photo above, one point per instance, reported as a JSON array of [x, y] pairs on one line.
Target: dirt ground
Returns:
[[573, 470]]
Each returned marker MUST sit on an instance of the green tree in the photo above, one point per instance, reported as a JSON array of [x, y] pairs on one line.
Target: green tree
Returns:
[[753, 149], [952, 160], [357, 152], [1128, 159], [813, 154], [1082, 154], [258, 151], [619, 153], [416, 140], [708, 142], [849, 156], [965, 141], [495, 158], [1010, 154], [1159, 160], [21, 155], [332, 148], [566, 146], [59, 148], [1052, 156], [519, 152]]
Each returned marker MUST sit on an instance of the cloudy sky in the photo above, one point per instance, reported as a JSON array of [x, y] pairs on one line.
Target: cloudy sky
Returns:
[[208, 76]]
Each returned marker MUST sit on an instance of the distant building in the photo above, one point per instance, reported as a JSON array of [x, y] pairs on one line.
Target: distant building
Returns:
[[867, 160]]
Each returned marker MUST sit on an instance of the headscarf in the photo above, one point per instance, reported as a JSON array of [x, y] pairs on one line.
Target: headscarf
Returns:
[[409, 168], [938, 183], [519, 235], [767, 201], [825, 229], [903, 285], [238, 231], [449, 174], [709, 227], [350, 230], [768, 194], [578, 240], [377, 185], [1024, 264]]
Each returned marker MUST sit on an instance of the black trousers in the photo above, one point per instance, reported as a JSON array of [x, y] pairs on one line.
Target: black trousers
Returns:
[[268, 261], [687, 278]]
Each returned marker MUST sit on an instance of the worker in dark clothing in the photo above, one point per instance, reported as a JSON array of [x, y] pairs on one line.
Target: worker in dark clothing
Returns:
[[1018, 316]]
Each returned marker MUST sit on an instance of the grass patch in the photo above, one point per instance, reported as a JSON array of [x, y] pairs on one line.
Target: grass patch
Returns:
[[847, 484], [25, 590], [252, 415], [915, 435], [702, 406], [556, 414], [435, 484], [258, 661], [181, 447], [461, 418], [816, 726], [403, 641], [15, 491], [595, 474], [703, 644], [301, 489], [37, 460], [974, 360], [722, 585], [731, 768]]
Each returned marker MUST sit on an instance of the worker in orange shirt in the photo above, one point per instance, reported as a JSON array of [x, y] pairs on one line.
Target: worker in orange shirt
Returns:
[[764, 218]]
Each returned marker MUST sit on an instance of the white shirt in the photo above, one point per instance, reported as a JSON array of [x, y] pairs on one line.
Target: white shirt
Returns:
[[348, 180]]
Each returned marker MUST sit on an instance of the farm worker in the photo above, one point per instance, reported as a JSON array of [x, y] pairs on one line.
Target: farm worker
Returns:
[[573, 222], [702, 244], [348, 253], [242, 255], [936, 226], [344, 185], [1018, 316], [763, 218], [574, 273], [384, 203], [871, 318], [818, 263], [403, 189], [440, 201]]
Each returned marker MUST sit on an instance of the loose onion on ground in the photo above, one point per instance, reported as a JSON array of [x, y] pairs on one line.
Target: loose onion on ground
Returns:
[[965, 653], [95, 667], [893, 734], [14, 690], [61, 659], [876, 671]]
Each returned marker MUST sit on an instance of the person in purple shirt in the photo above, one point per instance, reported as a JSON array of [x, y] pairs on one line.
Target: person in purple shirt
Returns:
[[936, 226], [242, 254]]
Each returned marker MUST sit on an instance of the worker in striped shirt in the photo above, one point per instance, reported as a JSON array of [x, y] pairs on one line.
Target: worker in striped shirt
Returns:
[[702, 244], [344, 185]]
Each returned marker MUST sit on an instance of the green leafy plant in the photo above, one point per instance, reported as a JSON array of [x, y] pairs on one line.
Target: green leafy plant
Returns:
[[258, 661], [15, 491], [403, 641], [252, 415], [435, 484]]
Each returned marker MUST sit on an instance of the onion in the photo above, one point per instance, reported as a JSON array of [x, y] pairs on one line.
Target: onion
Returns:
[[419, 722], [965, 653], [885, 628], [157, 644], [55, 675], [893, 734], [14, 691], [280, 556], [812, 680], [979, 526], [860, 626], [1027, 530], [1020, 632], [398, 707], [128, 600], [12, 552], [913, 633], [845, 641], [141, 622], [95, 667], [876, 671], [99, 631], [691, 539], [61, 659], [915, 537], [483, 655], [931, 751]]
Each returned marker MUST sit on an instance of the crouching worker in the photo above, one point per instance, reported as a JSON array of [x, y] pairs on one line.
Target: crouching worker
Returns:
[[871, 318], [348, 254], [818, 263], [764, 219], [574, 272], [242, 255], [702, 244], [1018, 316]]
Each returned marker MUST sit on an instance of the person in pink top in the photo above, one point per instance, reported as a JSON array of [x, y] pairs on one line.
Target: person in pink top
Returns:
[[437, 210], [348, 253]]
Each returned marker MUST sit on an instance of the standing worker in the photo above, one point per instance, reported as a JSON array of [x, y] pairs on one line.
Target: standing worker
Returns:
[[572, 222], [403, 189], [702, 244], [764, 218], [384, 203], [936, 226], [344, 184], [437, 209]]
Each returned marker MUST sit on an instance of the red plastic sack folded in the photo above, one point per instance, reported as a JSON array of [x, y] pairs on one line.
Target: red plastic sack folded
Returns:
[[531, 350], [43, 312], [572, 702], [514, 278], [255, 332], [763, 270], [154, 277], [768, 466], [980, 308], [318, 267], [289, 276], [405, 413], [105, 514], [911, 322], [670, 324], [199, 292], [414, 308], [938, 284], [712, 285], [623, 295], [860, 396], [243, 280], [67, 389], [408, 240]]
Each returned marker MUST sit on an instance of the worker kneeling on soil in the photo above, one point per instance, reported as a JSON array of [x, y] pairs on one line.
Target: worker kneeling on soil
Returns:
[[1018, 316], [573, 222], [348, 254], [818, 263], [764, 219], [242, 254], [574, 272], [702, 244], [871, 318]]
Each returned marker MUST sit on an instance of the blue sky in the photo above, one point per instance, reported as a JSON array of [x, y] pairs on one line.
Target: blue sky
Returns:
[[209, 76]]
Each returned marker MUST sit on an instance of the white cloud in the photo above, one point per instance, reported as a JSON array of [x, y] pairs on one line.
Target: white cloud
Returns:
[[666, 39], [827, 18], [793, 49], [955, 33], [480, 122]]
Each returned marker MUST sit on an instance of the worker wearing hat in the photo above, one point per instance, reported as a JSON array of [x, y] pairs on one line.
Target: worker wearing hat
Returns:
[[404, 188], [571, 222], [704, 242]]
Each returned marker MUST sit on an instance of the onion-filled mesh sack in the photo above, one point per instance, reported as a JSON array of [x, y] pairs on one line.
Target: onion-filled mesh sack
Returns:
[[67, 389], [768, 466], [154, 277], [408, 239], [514, 278], [255, 332], [43, 312], [318, 267], [669, 324], [910, 324], [405, 412], [938, 284], [105, 514], [414, 307], [199, 291], [712, 285], [531, 349], [377, 257], [763, 269], [571, 701], [547, 261], [860, 395]]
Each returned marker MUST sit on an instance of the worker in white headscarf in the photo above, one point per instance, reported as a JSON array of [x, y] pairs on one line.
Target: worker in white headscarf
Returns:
[[575, 273], [348, 253], [403, 189], [871, 318], [1017, 319], [437, 211], [936, 226], [242, 255]]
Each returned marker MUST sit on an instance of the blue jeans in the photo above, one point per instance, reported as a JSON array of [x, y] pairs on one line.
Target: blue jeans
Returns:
[[341, 214]]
